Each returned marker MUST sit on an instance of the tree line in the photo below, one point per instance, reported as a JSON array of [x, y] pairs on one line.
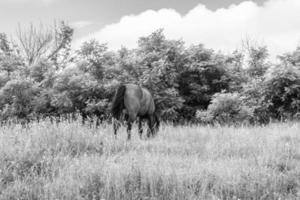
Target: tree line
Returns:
[[42, 76]]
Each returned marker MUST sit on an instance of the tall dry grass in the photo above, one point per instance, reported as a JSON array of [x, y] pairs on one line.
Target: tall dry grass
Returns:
[[71, 161]]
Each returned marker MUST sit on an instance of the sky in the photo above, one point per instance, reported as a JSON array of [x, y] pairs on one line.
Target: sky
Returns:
[[218, 24]]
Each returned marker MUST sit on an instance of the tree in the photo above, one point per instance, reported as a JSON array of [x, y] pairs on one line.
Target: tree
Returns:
[[203, 76], [16, 98], [46, 43], [10, 60], [291, 58], [128, 68], [282, 91], [237, 75], [257, 58], [41, 71], [253, 93], [97, 57], [4, 44], [161, 61], [71, 90]]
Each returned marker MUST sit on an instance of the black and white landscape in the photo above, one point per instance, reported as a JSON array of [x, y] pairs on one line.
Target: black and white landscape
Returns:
[[162, 99]]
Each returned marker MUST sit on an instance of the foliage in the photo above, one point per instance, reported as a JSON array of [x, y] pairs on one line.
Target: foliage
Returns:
[[97, 57], [17, 98], [253, 96], [10, 59], [226, 108], [162, 62], [257, 61], [203, 76], [41, 76], [282, 91]]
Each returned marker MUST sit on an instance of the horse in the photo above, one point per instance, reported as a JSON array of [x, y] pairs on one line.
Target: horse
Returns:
[[134, 102]]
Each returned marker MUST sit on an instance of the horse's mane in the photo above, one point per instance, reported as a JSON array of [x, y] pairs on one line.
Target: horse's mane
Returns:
[[118, 102]]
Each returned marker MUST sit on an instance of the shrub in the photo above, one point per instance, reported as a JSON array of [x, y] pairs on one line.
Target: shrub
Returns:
[[226, 108], [16, 98], [254, 97], [282, 91]]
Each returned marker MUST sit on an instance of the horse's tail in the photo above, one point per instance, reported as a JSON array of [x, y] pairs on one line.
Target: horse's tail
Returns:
[[118, 102]]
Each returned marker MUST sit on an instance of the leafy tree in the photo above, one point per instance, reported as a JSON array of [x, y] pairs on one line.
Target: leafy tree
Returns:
[[16, 98], [97, 57], [128, 67], [282, 91], [253, 94], [161, 61], [291, 58], [10, 63], [61, 48], [4, 44], [10, 60], [257, 58], [71, 89], [40, 71], [203, 76], [237, 75], [257, 62]]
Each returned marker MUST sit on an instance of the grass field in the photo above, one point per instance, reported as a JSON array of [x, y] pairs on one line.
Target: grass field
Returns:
[[71, 161]]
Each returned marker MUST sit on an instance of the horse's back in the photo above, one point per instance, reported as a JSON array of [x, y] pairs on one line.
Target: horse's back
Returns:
[[147, 103], [132, 97], [133, 91], [138, 100]]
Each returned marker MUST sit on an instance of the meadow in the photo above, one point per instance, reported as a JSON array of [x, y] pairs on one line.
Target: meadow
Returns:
[[71, 161]]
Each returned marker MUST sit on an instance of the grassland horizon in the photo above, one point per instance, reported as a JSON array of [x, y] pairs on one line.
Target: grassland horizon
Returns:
[[73, 161]]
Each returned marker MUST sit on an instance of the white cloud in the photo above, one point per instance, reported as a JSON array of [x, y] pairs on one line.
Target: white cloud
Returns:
[[81, 24], [276, 23]]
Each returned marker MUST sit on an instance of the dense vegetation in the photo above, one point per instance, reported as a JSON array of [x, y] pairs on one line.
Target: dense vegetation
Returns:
[[41, 76], [72, 161]]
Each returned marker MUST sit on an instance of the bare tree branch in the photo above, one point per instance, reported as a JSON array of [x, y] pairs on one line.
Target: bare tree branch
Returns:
[[43, 42]]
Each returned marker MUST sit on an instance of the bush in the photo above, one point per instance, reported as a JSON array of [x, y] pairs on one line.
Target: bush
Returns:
[[16, 98], [282, 91], [253, 93], [226, 108]]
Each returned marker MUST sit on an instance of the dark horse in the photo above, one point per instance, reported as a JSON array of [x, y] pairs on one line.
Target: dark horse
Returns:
[[134, 101]]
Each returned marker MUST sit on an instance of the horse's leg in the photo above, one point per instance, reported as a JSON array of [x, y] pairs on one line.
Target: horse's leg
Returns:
[[140, 127], [150, 126], [116, 125], [131, 118], [129, 126]]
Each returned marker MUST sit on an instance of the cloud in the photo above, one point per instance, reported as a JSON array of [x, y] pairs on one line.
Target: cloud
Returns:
[[81, 24], [275, 24]]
